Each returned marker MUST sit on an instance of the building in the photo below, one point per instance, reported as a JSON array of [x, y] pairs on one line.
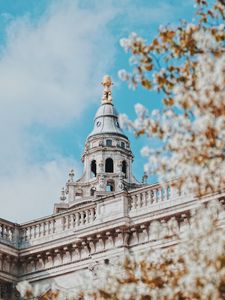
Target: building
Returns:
[[105, 214]]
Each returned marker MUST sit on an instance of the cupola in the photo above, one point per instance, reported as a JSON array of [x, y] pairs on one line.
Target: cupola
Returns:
[[107, 156]]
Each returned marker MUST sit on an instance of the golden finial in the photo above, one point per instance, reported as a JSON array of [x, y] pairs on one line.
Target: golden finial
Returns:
[[107, 93]]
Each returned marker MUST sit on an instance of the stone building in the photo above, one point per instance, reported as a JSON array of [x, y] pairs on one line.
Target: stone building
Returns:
[[105, 214]]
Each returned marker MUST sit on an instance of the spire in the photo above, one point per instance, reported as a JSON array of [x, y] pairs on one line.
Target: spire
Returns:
[[107, 93], [106, 117]]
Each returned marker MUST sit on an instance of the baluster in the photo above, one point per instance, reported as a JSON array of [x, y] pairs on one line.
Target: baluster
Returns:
[[73, 220], [44, 228], [30, 232], [7, 232], [69, 221], [4, 232], [94, 210], [91, 218], [145, 196], [50, 224], [77, 219], [39, 230], [87, 216], [162, 194], [152, 196], [156, 195], [168, 192], [53, 225], [63, 223], [35, 231], [141, 200], [14, 237], [22, 235], [10, 233], [25, 234], [132, 203], [137, 202], [81, 218]]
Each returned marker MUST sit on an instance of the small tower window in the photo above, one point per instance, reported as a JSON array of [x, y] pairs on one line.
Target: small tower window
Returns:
[[93, 168], [110, 186], [124, 168], [92, 191], [109, 165], [79, 193], [108, 142], [122, 145]]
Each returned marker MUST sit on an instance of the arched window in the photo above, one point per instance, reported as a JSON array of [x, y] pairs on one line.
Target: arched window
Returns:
[[124, 168], [93, 168], [110, 186], [92, 191], [109, 165]]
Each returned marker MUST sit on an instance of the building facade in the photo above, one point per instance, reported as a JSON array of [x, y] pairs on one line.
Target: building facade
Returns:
[[104, 215]]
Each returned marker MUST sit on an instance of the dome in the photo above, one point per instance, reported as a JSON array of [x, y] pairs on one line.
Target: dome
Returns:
[[106, 121], [106, 110]]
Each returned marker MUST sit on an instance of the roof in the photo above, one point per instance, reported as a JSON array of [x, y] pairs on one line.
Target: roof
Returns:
[[106, 121]]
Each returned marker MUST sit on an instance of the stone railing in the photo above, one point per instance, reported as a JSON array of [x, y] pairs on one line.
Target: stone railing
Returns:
[[155, 197], [56, 226], [136, 203], [8, 232]]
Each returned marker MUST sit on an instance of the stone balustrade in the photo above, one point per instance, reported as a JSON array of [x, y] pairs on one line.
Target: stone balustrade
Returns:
[[62, 224], [154, 197], [137, 203], [56, 226], [8, 232]]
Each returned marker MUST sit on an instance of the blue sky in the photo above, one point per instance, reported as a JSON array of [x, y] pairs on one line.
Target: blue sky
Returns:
[[53, 55]]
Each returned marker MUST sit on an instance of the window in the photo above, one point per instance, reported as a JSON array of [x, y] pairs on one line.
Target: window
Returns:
[[98, 124], [93, 168], [92, 191], [108, 142], [110, 186], [79, 193], [124, 168], [109, 165], [122, 145]]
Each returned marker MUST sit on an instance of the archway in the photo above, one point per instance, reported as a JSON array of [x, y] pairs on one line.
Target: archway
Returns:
[[124, 168], [109, 165], [93, 168]]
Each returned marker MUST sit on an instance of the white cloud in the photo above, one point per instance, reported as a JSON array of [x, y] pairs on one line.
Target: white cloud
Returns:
[[31, 190], [50, 68], [49, 71]]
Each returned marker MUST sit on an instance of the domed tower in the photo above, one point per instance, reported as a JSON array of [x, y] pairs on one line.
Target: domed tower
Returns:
[[107, 156]]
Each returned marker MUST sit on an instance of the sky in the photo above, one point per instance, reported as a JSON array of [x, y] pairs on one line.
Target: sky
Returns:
[[53, 55]]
